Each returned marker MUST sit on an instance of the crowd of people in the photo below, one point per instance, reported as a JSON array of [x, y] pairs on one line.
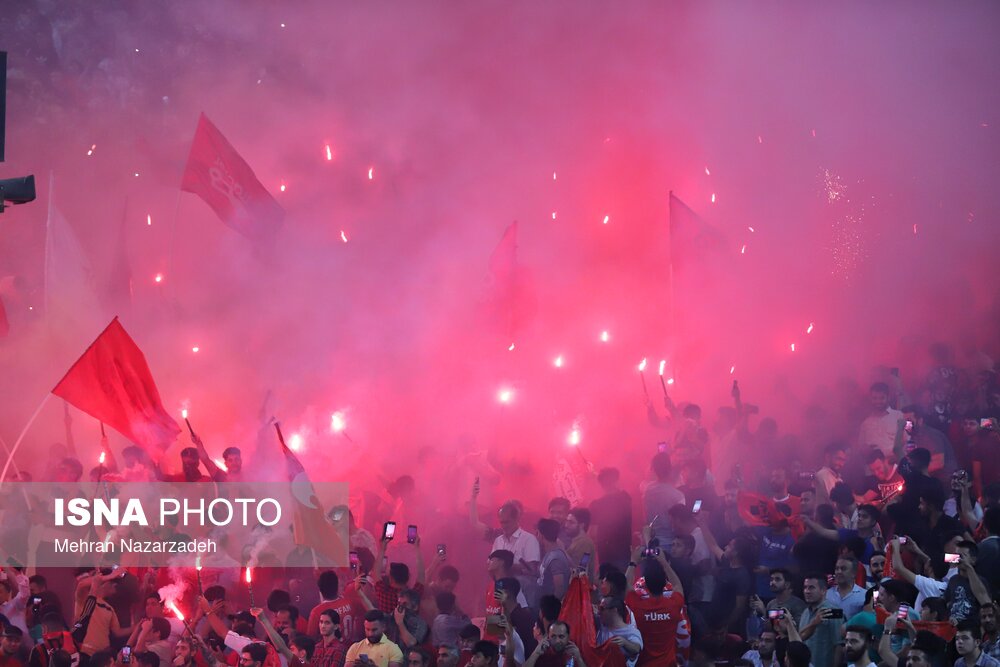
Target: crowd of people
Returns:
[[887, 554]]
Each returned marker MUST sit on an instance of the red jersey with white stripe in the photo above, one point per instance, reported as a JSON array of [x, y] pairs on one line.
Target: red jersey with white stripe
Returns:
[[663, 623]]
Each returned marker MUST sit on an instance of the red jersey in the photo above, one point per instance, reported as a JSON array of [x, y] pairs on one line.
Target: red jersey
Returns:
[[663, 623], [344, 608], [493, 608]]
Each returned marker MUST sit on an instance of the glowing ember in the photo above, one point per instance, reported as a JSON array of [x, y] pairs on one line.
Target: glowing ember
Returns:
[[505, 395], [814, 133], [743, 250], [343, 236], [607, 219], [337, 422], [574, 437], [93, 147], [663, 365], [195, 349], [197, 562], [553, 175], [899, 487], [511, 348], [605, 337], [100, 459], [670, 380], [553, 215], [793, 347], [707, 172], [247, 577], [834, 186], [184, 413], [914, 228], [713, 197], [221, 464], [809, 329], [282, 188], [173, 607], [760, 139], [732, 369], [149, 220], [158, 278], [329, 152], [295, 442], [371, 173], [558, 362], [750, 228], [642, 365]]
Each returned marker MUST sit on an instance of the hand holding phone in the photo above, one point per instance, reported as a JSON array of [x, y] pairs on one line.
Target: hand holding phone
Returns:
[[696, 507], [388, 531], [411, 534]]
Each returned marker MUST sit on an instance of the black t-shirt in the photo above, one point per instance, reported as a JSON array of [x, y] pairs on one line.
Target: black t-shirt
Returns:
[[730, 583], [709, 500], [906, 512], [612, 514], [962, 602], [815, 553]]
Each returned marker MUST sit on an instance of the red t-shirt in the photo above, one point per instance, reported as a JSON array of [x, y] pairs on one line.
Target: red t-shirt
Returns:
[[342, 606], [493, 608], [662, 621]]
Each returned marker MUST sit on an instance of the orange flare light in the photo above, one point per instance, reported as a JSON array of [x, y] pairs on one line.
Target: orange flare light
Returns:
[[663, 365], [158, 278], [329, 152], [247, 577], [642, 365], [184, 413], [810, 328], [149, 220], [343, 236], [282, 188], [713, 197], [371, 173], [558, 362], [793, 347], [505, 395], [100, 459], [295, 442], [221, 464], [173, 607], [574, 437], [337, 422], [511, 348], [605, 337], [607, 219]]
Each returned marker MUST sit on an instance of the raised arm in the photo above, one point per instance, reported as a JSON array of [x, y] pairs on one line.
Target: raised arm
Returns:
[[279, 643], [213, 470], [897, 562], [481, 527], [821, 530], [889, 658]]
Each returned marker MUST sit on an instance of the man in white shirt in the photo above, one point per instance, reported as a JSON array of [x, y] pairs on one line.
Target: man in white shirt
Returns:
[[879, 428], [834, 459]]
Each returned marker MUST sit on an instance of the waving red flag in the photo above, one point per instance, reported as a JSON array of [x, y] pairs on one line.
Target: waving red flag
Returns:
[[216, 173], [111, 382], [578, 613]]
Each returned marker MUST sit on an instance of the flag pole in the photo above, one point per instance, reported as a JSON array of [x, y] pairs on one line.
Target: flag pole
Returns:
[[20, 438], [17, 470]]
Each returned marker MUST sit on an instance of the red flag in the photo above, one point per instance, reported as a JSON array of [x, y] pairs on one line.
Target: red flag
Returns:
[[4, 324], [513, 293], [216, 173], [111, 382], [758, 510], [309, 525], [578, 613]]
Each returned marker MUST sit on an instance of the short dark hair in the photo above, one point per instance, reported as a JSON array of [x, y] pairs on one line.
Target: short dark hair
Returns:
[[277, 599], [782, 571], [871, 511], [687, 540], [820, 578], [470, 631], [969, 546], [933, 495], [487, 649], [874, 455], [304, 642], [937, 606], [328, 584], [582, 516], [332, 614], [841, 494], [425, 657], [798, 654], [148, 658], [213, 593], [608, 475], [549, 529], [616, 579], [230, 451], [661, 465], [102, 659], [970, 626], [880, 387], [900, 590], [374, 616], [448, 573], [655, 576], [834, 447], [615, 603], [511, 585], [399, 572], [559, 501], [161, 626], [562, 623], [549, 606], [38, 580], [920, 457], [74, 465], [862, 630], [504, 555], [256, 650], [445, 602], [188, 452]]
